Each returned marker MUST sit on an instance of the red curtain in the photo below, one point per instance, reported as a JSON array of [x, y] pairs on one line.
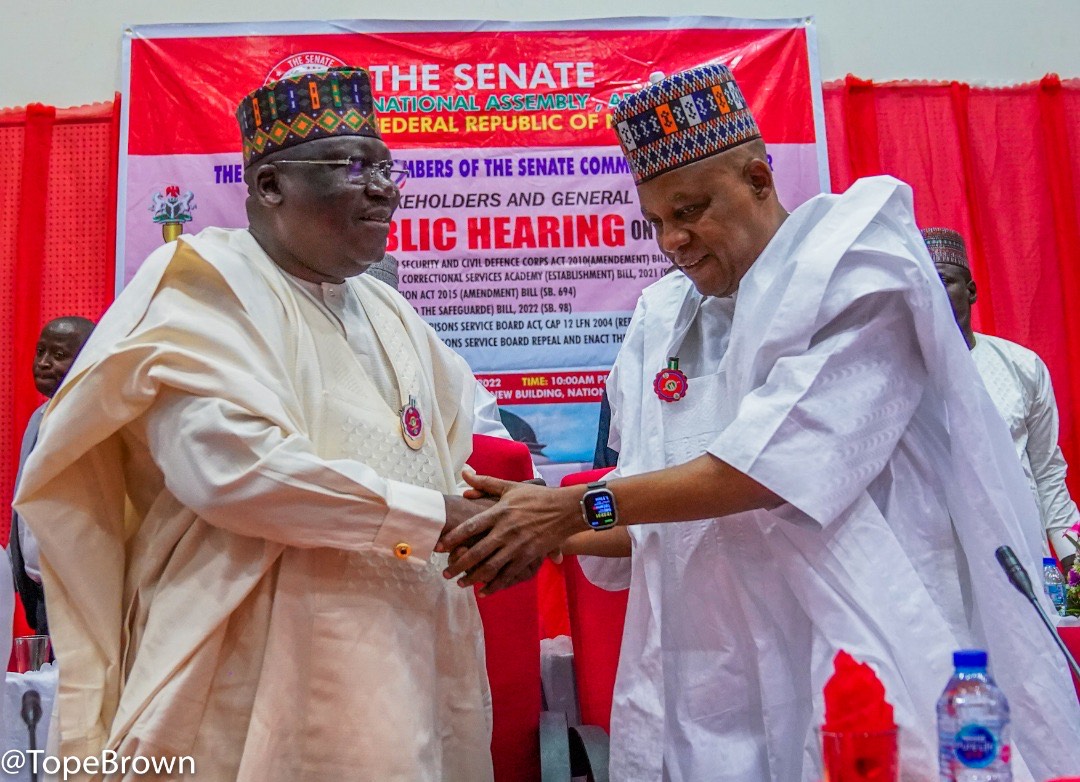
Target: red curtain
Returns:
[[57, 240], [997, 164], [1000, 165]]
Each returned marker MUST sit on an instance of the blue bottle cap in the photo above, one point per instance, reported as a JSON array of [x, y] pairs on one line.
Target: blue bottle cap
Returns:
[[969, 658], [1049, 561]]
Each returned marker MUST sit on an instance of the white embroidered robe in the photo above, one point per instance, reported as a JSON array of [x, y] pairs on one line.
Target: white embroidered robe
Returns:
[[845, 388]]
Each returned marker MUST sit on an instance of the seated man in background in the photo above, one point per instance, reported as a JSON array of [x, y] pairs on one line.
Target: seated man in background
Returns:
[[1019, 385], [60, 342], [257, 451]]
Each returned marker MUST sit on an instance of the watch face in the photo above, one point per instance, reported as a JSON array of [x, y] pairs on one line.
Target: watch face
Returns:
[[599, 508]]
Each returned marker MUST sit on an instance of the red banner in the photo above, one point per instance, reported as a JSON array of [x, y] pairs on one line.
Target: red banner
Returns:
[[460, 88], [518, 235]]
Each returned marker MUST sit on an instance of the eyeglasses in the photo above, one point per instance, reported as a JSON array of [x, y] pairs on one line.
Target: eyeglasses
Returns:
[[360, 171]]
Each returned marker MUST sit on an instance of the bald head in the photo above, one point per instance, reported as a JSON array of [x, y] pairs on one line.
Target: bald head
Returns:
[[70, 324], [60, 342]]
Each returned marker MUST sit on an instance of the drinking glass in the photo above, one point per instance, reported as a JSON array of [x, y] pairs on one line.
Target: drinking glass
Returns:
[[31, 652]]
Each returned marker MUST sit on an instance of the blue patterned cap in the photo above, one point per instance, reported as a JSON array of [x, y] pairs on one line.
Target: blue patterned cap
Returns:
[[681, 119]]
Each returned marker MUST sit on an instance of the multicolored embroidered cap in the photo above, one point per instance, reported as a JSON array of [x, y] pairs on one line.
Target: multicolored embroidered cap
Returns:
[[282, 114], [946, 246], [681, 119]]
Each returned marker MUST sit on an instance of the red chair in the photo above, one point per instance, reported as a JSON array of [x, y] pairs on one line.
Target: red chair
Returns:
[[527, 743], [512, 635], [551, 594], [596, 625], [596, 622], [1071, 637]]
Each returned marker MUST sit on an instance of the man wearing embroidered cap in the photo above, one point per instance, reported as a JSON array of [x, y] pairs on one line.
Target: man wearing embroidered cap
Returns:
[[814, 473], [257, 452], [1019, 384]]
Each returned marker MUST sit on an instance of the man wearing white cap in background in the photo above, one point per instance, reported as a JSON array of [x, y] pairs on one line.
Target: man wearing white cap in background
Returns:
[[799, 407], [1019, 383]]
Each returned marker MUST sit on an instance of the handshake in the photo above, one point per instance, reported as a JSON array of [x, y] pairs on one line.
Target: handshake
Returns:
[[500, 532]]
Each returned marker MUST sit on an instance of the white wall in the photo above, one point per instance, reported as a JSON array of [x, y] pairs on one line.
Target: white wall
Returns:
[[67, 52]]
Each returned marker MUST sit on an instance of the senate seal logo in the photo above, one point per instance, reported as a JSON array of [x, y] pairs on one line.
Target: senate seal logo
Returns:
[[304, 62]]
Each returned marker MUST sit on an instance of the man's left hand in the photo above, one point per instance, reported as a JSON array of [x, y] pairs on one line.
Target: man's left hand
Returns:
[[461, 509], [527, 524]]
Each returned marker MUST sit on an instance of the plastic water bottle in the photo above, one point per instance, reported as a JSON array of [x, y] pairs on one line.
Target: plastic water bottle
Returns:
[[973, 724], [1054, 584]]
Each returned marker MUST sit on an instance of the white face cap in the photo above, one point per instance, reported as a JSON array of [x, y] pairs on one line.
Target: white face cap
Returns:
[[656, 77]]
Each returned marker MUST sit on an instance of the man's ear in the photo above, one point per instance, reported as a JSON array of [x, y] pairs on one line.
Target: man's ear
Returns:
[[266, 185], [759, 176], [972, 293]]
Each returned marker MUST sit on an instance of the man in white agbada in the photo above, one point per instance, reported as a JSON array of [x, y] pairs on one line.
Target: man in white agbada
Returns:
[[1019, 384], [238, 489], [833, 474]]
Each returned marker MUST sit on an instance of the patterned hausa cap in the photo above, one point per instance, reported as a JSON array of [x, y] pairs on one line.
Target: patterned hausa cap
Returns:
[[946, 246], [681, 119], [282, 114]]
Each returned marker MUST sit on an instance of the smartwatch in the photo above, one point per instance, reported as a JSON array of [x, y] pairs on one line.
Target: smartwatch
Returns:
[[598, 507]]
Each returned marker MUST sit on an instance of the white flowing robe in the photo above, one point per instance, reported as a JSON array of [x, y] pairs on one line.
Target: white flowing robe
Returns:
[[219, 489], [846, 389], [1019, 383]]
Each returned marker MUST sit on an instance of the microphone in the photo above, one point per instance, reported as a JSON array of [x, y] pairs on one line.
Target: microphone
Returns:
[[1018, 577], [31, 708], [31, 715]]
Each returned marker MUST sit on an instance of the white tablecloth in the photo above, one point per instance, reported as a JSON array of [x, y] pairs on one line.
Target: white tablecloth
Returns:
[[15, 733]]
